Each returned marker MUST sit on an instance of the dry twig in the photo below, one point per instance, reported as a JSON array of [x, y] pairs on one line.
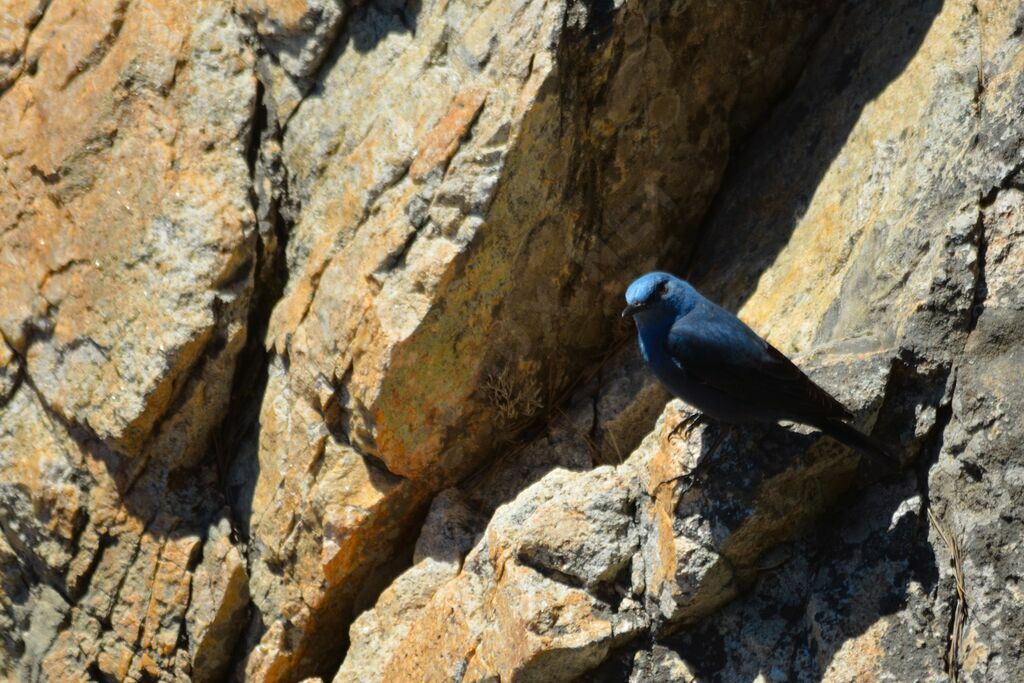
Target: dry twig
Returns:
[[960, 613]]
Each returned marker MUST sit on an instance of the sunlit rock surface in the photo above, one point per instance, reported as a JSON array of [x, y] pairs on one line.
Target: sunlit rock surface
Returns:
[[311, 363]]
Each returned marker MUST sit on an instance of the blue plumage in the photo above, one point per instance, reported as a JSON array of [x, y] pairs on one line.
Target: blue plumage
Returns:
[[710, 359]]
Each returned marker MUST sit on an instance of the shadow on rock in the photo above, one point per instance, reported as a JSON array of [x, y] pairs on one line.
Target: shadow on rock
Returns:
[[771, 182], [828, 601]]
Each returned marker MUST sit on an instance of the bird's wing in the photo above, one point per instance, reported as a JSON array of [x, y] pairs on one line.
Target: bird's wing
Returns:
[[715, 348]]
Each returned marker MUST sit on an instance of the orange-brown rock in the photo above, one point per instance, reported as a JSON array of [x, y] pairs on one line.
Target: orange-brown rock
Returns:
[[126, 244], [515, 611], [452, 266], [286, 285], [581, 562], [217, 605], [123, 261]]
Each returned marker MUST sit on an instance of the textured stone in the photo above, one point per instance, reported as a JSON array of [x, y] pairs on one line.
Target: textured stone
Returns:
[[280, 279], [123, 582], [123, 283], [866, 245], [10, 371], [977, 481], [705, 541], [894, 189], [217, 609], [660, 664], [515, 611], [641, 556], [434, 209], [126, 246], [827, 606], [431, 249], [330, 530], [295, 36], [16, 24], [448, 534]]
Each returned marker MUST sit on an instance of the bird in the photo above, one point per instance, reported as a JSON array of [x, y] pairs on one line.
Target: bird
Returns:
[[713, 361]]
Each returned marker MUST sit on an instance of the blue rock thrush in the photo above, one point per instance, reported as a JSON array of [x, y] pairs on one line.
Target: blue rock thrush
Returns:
[[710, 359]]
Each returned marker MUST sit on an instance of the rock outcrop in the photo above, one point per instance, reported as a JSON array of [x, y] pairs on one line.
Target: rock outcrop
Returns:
[[310, 361], [455, 251], [127, 245], [886, 177]]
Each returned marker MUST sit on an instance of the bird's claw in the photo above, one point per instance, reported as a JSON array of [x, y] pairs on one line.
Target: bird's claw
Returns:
[[687, 425], [688, 475]]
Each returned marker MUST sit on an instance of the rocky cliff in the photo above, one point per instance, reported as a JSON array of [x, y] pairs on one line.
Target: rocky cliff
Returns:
[[311, 365]]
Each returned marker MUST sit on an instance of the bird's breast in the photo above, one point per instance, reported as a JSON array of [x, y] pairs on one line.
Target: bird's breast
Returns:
[[674, 376]]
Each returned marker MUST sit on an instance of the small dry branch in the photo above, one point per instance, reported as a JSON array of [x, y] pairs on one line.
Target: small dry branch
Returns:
[[513, 396], [960, 614]]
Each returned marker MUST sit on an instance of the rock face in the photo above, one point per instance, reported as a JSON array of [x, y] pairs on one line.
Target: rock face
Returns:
[[435, 235], [310, 363], [884, 179], [127, 242]]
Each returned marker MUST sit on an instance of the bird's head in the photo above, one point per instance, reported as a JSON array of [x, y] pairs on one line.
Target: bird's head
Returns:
[[656, 295]]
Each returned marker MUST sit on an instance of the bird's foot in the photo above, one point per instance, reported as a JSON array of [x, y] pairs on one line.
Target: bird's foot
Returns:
[[704, 463], [687, 425], [690, 476], [687, 476]]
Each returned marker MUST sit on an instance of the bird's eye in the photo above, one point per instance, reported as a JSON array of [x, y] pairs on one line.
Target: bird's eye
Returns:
[[661, 288]]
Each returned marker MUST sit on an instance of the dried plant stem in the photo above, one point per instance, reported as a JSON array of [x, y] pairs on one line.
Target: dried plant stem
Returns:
[[960, 614]]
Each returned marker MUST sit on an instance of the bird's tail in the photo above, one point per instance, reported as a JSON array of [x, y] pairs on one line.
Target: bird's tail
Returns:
[[851, 436]]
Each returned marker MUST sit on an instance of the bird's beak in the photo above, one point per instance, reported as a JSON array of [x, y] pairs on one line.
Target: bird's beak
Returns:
[[630, 310]]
